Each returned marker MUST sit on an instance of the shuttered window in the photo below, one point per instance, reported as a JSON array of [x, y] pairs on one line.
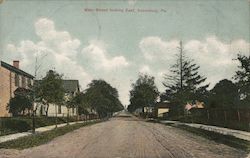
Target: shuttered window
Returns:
[[16, 80]]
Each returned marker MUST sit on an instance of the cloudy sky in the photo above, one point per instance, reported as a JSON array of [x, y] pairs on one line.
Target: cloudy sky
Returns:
[[116, 43]]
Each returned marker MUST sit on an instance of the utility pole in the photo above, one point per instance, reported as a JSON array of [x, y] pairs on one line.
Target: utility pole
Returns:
[[181, 71], [181, 64], [34, 97], [34, 94]]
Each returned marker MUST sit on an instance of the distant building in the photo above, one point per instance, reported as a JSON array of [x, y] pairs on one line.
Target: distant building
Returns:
[[197, 105], [138, 111], [162, 109], [11, 78], [71, 88]]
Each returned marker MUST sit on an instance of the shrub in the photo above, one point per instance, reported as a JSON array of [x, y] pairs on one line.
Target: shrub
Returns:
[[16, 125]]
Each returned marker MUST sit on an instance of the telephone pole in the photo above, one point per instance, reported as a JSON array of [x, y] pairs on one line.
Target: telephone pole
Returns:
[[181, 64], [37, 67]]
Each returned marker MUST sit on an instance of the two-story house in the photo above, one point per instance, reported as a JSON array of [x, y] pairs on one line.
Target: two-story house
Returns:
[[11, 78], [71, 88]]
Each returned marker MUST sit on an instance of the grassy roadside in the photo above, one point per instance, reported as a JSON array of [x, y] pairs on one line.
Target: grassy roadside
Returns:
[[219, 138], [42, 138]]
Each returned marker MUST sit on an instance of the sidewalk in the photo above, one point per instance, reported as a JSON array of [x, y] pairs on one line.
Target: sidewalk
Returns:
[[38, 130], [225, 131]]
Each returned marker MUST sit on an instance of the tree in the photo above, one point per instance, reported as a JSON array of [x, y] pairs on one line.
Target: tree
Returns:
[[51, 89], [82, 105], [102, 97], [224, 94], [144, 93], [242, 78], [69, 103], [19, 104], [184, 84]]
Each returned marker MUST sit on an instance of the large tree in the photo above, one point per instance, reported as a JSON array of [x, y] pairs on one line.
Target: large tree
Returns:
[[224, 94], [102, 97], [21, 103], [242, 78], [144, 93], [50, 89], [184, 83]]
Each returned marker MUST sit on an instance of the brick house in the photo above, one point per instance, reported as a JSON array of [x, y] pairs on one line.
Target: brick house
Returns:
[[11, 78]]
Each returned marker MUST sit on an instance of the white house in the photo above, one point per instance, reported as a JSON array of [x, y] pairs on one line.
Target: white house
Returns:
[[71, 88]]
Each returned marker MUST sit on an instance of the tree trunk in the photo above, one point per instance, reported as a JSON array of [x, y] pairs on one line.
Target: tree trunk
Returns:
[[77, 113], [47, 109], [67, 115], [56, 114]]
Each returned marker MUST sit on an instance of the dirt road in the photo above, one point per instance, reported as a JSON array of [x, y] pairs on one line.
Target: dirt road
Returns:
[[127, 137]]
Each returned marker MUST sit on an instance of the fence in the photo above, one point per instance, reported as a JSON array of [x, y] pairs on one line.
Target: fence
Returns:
[[230, 118]]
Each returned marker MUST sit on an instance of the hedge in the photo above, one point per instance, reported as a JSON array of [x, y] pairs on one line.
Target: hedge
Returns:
[[9, 125]]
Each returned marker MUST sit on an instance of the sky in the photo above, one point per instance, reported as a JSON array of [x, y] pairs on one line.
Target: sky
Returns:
[[116, 40]]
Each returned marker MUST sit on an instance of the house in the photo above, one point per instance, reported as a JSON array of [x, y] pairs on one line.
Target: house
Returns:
[[138, 111], [162, 109], [71, 88], [197, 105], [11, 79]]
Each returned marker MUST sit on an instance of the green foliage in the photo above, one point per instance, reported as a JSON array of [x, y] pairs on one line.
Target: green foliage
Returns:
[[102, 97], [9, 125], [184, 83], [144, 92], [19, 104], [15, 125], [242, 78], [224, 94], [51, 88]]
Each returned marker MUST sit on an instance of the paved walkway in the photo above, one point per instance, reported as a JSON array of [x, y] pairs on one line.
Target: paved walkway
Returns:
[[225, 131], [38, 130]]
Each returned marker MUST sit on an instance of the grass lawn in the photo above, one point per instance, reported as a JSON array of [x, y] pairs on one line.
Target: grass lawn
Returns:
[[224, 139], [42, 138]]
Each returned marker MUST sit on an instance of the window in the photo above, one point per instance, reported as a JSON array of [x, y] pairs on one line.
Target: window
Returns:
[[29, 82], [59, 109], [23, 82], [16, 80]]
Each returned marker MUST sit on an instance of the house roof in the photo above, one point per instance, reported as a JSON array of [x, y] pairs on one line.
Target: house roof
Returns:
[[163, 105], [71, 85], [16, 70], [68, 85]]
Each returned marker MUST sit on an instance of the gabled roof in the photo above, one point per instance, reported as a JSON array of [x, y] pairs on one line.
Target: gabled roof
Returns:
[[163, 105], [71, 85], [16, 70]]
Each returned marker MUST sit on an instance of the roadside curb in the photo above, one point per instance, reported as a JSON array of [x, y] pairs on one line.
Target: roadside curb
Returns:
[[224, 131]]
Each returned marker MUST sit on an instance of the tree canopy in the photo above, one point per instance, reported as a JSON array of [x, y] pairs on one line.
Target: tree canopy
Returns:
[[102, 97], [242, 78], [144, 92], [184, 83], [21, 103], [50, 89], [223, 95]]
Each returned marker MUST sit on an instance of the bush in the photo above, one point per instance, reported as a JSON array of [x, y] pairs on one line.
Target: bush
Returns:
[[15, 125], [9, 125]]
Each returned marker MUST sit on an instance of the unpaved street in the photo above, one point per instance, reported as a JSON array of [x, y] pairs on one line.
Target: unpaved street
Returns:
[[127, 137]]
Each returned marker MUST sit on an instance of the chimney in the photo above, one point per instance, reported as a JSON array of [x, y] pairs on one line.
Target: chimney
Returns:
[[16, 64]]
